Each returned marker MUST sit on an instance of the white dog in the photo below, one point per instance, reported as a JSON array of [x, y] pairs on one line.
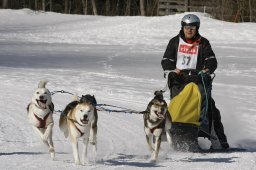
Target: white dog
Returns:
[[156, 121], [79, 120], [40, 112]]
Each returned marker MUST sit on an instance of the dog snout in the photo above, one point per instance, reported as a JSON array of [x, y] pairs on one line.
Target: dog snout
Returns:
[[85, 117], [41, 97]]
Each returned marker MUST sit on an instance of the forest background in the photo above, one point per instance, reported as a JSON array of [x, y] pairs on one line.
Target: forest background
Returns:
[[227, 10]]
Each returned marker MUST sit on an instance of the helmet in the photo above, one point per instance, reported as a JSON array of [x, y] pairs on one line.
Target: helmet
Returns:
[[190, 19]]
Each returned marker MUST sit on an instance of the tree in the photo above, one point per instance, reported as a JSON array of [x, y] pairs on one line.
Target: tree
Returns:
[[66, 7], [142, 8], [107, 7], [94, 7], [5, 3], [43, 5], [50, 5], [36, 5], [128, 7], [85, 8]]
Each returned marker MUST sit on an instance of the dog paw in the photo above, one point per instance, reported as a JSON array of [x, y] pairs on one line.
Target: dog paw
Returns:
[[51, 150], [93, 141], [52, 153], [153, 156], [85, 162], [153, 161], [77, 162]]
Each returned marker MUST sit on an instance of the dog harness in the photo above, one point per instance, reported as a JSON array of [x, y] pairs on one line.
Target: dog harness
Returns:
[[81, 133], [42, 122], [74, 122], [161, 125]]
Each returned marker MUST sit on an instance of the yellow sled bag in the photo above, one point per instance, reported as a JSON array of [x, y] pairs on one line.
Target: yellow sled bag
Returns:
[[186, 106]]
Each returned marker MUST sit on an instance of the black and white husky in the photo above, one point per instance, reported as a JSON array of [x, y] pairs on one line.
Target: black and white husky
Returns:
[[156, 121], [40, 111]]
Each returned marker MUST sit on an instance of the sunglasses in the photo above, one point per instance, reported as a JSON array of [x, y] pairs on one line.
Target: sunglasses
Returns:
[[189, 27]]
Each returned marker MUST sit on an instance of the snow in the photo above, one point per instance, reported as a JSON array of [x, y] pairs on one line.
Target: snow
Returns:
[[118, 60]]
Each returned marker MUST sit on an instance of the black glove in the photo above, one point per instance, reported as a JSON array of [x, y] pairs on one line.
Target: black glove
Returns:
[[173, 76], [191, 78]]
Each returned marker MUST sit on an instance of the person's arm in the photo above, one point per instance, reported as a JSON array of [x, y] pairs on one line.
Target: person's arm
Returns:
[[169, 59], [210, 61]]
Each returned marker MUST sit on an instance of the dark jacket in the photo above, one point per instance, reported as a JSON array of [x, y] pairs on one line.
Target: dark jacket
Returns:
[[205, 59]]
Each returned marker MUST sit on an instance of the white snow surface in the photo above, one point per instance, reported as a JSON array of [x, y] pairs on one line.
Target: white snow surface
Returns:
[[117, 59]]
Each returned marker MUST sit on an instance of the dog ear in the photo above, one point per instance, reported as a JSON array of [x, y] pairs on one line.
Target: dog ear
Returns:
[[159, 95], [75, 97], [149, 106], [42, 83], [69, 107], [51, 107], [94, 100], [88, 98]]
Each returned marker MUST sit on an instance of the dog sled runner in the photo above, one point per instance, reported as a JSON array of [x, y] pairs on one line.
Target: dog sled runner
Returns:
[[189, 111]]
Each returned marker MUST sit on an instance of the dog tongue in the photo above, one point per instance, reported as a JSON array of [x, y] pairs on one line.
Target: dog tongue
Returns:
[[160, 114], [42, 105]]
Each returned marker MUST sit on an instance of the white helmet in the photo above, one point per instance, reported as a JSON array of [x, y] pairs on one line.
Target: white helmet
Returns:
[[190, 19]]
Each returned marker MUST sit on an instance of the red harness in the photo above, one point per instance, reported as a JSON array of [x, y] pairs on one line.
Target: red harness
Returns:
[[42, 122], [161, 125], [81, 133]]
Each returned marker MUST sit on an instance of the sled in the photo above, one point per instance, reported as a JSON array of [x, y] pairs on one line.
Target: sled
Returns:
[[189, 120]]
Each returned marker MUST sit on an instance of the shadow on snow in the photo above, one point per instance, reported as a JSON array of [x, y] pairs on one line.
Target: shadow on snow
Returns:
[[26, 153], [214, 160], [128, 160]]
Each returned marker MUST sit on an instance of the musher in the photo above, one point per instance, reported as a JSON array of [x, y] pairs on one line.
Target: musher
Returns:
[[189, 53]]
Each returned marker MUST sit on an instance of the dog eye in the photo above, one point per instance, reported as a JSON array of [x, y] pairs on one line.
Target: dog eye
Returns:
[[81, 110], [37, 92], [45, 92]]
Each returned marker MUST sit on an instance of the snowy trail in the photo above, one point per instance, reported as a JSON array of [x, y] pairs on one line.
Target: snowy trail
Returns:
[[115, 149]]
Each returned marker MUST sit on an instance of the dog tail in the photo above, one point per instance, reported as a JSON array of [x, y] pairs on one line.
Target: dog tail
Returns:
[[42, 83], [75, 97], [63, 125], [159, 95]]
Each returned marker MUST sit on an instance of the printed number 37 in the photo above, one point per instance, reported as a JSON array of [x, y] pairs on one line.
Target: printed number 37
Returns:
[[186, 60]]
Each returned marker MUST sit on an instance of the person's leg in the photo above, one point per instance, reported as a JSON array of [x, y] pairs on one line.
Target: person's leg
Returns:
[[218, 126]]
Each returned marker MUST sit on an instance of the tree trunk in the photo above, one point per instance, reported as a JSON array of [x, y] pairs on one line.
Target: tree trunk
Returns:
[[84, 2], [50, 5], [36, 5], [43, 5], [128, 8], [29, 4], [250, 10], [107, 8], [117, 7], [5, 4], [94, 7], [154, 8], [142, 8], [222, 9], [66, 7]]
